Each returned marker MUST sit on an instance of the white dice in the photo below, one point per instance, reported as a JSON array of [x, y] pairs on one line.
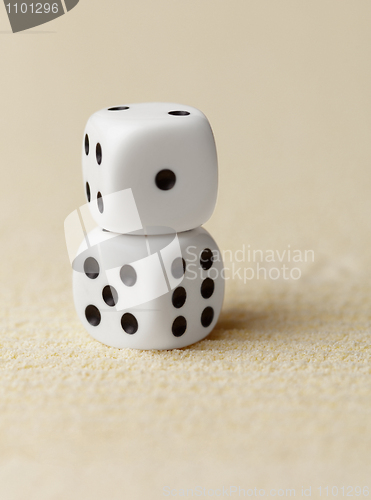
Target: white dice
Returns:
[[149, 276], [164, 152], [155, 292]]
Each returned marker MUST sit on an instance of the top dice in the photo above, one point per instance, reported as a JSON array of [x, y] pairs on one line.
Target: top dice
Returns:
[[164, 152]]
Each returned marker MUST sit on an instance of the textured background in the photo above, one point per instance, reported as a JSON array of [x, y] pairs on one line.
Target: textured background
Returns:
[[278, 396]]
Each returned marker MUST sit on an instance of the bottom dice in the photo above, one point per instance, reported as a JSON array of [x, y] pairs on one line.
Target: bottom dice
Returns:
[[148, 292]]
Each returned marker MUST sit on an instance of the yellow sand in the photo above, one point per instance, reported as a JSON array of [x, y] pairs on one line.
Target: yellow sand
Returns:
[[279, 395]]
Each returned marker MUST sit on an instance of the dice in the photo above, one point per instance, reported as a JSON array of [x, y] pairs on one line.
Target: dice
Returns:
[[155, 292], [164, 152], [149, 276]]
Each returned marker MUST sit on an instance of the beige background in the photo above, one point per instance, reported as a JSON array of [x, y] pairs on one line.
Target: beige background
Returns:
[[278, 396]]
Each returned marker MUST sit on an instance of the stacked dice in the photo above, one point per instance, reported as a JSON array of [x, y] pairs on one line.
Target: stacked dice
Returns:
[[149, 276]]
